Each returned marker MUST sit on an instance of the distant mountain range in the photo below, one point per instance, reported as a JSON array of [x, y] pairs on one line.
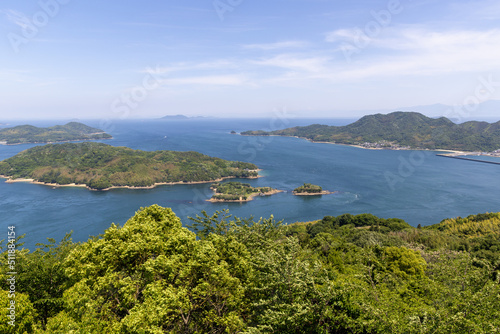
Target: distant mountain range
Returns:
[[408, 129], [24, 134]]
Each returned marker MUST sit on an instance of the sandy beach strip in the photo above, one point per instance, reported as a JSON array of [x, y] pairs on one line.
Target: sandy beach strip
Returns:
[[56, 185]]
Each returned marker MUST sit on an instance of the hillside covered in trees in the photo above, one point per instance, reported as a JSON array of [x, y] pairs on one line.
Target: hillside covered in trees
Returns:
[[72, 131], [100, 166], [345, 274], [408, 129]]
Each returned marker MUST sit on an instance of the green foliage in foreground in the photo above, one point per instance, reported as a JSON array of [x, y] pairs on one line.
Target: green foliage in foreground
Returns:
[[346, 274], [235, 191], [404, 129], [31, 134], [308, 188], [100, 166]]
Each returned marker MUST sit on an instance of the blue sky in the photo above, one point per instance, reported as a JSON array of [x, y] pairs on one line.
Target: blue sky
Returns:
[[238, 58]]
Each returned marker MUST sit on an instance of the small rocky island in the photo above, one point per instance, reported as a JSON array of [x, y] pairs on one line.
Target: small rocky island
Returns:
[[308, 189], [28, 134], [238, 192], [99, 166]]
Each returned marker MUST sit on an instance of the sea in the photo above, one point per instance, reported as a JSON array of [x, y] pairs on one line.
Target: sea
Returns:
[[416, 186]]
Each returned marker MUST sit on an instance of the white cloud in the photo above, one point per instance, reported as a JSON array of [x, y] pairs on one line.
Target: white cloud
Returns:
[[219, 72], [17, 18], [216, 80], [445, 52], [410, 51], [18, 76], [342, 35], [421, 39], [28, 78], [221, 64], [420, 51], [277, 45], [481, 10], [293, 62]]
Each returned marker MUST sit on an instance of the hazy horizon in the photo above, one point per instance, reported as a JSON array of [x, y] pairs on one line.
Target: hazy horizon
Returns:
[[62, 119]]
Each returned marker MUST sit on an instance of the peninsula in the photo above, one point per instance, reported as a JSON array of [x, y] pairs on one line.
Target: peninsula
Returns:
[[401, 130], [238, 192], [99, 166], [308, 189], [28, 134]]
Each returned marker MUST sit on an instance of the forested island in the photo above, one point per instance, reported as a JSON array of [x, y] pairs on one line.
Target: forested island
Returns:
[[99, 166], [72, 131], [401, 130], [344, 274], [238, 192], [308, 189]]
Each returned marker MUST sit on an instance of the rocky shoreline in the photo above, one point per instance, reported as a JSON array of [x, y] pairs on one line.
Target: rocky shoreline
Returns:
[[249, 197], [324, 192], [56, 185]]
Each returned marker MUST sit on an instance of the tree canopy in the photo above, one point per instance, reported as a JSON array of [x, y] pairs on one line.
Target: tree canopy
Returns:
[[345, 274], [308, 188]]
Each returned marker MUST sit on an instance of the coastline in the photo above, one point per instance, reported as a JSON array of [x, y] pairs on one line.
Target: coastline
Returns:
[[351, 145], [358, 146], [56, 185], [32, 181], [249, 198], [54, 142], [450, 151]]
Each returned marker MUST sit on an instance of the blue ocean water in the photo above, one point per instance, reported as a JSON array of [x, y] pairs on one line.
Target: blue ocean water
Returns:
[[416, 186]]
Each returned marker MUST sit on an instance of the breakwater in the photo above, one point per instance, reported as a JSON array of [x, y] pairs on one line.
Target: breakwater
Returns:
[[468, 159]]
